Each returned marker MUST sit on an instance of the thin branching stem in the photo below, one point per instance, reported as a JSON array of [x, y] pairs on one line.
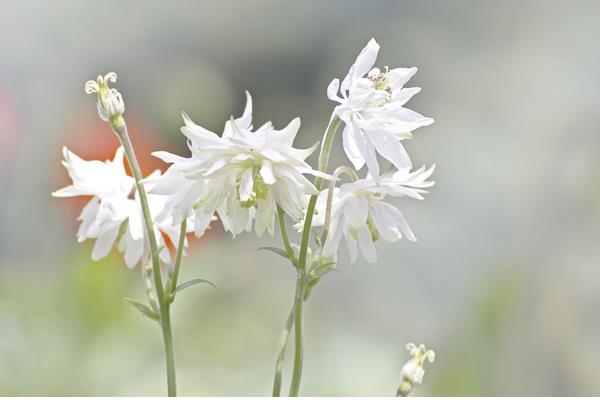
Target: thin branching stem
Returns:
[[119, 126]]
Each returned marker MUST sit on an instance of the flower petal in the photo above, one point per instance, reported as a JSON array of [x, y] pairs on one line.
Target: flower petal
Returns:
[[104, 243], [266, 171], [391, 149], [364, 62], [350, 139], [333, 89], [245, 120], [246, 184], [202, 221], [365, 242]]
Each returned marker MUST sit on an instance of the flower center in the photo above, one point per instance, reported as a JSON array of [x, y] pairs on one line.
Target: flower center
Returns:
[[380, 80], [259, 188]]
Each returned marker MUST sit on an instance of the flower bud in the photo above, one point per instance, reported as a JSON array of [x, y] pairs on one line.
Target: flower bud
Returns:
[[412, 372], [110, 102]]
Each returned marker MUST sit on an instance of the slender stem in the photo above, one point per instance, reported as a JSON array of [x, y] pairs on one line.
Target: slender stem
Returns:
[[165, 323], [285, 333], [180, 247], [120, 127], [298, 337], [281, 346], [323, 161], [121, 131], [301, 267], [284, 235]]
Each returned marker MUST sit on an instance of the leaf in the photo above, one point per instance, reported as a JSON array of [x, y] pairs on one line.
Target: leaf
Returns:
[[192, 282], [142, 308], [276, 250]]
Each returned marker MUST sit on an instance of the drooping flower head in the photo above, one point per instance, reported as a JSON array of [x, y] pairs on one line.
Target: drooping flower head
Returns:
[[361, 214], [413, 371], [372, 107], [243, 175], [113, 209]]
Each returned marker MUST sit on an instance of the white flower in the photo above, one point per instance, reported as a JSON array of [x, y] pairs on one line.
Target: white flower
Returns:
[[109, 207], [243, 175], [413, 371], [373, 111], [113, 210], [361, 215]]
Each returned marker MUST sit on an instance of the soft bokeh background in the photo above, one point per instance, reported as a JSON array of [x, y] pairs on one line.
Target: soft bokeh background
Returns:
[[504, 282]]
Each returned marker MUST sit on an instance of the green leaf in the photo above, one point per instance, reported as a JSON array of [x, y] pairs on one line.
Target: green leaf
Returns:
[[192, 282], [276, 250], [142, 308]]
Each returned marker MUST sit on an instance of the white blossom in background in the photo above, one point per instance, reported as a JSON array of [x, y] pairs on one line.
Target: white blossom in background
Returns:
[[243, 174], [413, 371], [179, 194], [114, 208], [360, 214], [372, 107], [132, 241]]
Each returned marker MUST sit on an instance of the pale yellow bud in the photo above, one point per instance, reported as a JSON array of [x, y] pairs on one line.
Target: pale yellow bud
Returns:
[[110, 102], [413, 371]]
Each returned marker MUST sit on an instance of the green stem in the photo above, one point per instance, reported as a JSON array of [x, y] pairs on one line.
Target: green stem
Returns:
[[285, 333], [180, 247], [323, 162], [120, 128], [281, 346], [298, 337], [301, 277], [284, 235], [165, 323]]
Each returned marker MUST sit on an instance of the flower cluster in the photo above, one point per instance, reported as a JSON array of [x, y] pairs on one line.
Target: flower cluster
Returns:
[[245, 177], [371, 106]]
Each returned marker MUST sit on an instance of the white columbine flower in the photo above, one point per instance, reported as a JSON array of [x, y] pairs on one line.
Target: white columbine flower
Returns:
[[113, 210], [361, 215], [372, 108], [412, 372], [243, 175]]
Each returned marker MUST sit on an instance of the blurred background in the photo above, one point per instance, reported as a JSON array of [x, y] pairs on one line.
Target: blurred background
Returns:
[[504, 282]]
